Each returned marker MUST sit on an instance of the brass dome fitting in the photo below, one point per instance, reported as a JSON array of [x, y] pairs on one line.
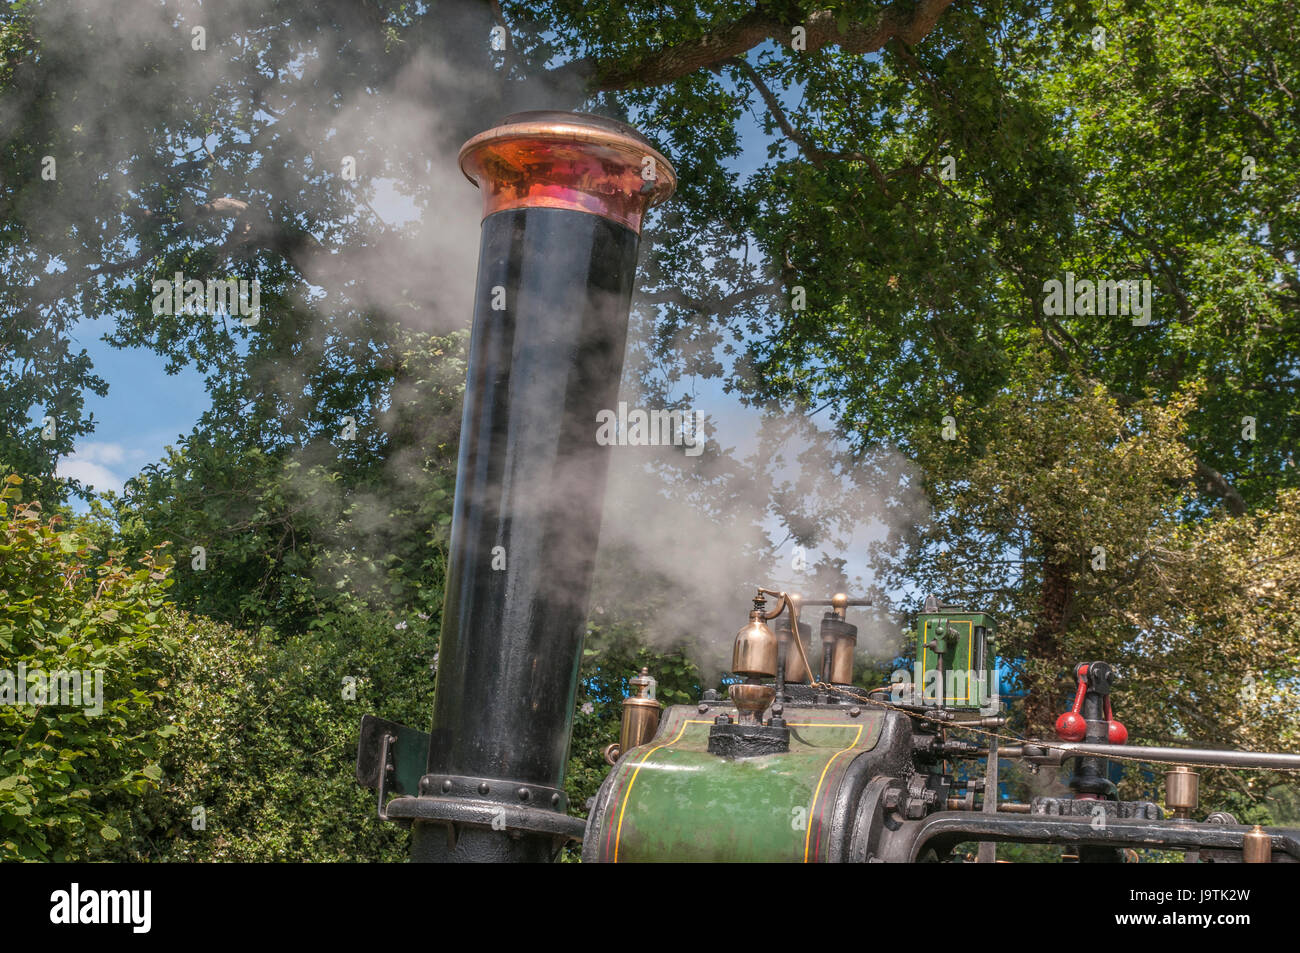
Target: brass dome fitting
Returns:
[[643, 684], [751, 701], [756, 649], [640, 714]]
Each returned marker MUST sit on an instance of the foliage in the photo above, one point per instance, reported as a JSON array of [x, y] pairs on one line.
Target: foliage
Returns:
[[66, 768], [258, 731], [293, 533], [1199, 616], [261, 764], [1216, 611], [1048, 478], [925, 280]]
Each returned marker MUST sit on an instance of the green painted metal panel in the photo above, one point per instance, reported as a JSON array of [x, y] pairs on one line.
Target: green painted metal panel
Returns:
[[671, 800], [959, 644], [410, 757], [407, 753]]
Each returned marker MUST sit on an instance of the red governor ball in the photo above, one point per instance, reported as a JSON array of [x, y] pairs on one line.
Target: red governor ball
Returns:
[[1116, 733], [1071, 726]]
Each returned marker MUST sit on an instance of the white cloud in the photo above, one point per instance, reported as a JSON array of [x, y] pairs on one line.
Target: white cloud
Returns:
[[105, 453], [98, 465], [89, 474]]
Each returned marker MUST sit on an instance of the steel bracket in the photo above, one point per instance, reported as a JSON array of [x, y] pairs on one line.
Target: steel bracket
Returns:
[[390, 759]]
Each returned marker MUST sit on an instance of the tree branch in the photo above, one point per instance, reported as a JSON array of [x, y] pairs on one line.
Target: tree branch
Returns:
[[1219, 484], [816, 155], [254, 227], [657, 67], [678, 297]]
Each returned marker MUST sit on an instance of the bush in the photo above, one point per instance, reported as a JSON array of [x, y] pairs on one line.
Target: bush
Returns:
[[261, 763], [82, 653]]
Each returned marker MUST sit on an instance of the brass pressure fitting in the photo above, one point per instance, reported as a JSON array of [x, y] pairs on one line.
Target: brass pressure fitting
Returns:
[[1182, 791], [640, 717]]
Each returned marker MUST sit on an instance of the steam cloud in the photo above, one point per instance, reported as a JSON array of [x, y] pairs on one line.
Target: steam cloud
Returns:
[[700, 531]]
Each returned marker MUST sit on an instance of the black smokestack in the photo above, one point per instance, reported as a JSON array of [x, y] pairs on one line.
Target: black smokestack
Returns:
[[564, 195]]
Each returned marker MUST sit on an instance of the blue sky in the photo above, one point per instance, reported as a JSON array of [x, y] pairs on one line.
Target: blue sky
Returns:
[[144, 411]]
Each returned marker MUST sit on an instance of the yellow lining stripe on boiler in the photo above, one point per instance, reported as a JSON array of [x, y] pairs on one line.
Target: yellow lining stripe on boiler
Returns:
[[628, 793], [813, 810]]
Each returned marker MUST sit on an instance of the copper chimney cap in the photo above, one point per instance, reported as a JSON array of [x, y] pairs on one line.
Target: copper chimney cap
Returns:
[[571, 161]]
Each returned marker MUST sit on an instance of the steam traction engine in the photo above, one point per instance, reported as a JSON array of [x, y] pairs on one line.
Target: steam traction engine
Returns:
[[814, 769], [795, 763]]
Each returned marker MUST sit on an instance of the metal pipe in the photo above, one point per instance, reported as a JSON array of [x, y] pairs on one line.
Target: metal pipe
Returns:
[[1056, 751], [838, 603], [945, 829], [987, 852], [563, 196]]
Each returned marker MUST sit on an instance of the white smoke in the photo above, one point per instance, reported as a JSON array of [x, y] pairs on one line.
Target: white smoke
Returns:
[[702, 532]]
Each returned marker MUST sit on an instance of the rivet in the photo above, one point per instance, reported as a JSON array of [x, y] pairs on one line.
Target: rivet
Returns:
[[523, 794], [855, 711], [555, 800], [446, 785], [483, 788]]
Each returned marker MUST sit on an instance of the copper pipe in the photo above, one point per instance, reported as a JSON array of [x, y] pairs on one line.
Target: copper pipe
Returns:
[[793, 603]]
